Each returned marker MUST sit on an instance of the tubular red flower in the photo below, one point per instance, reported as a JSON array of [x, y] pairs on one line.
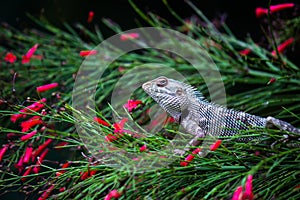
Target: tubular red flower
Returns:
[[27, 155], [15, 117], [196, 151], [189, 158], [86, 53], [238, 194], [63, 171], [3, 150], [272, 80], [184, 163], [28, 135], [276, 8], [110, 138], [10, 57], [214, 146], [26, 58], [248, 188], [46, 194], [27, 172], [143, 148], [283, 46], [90, 16], [129, 36], [112, 194], [260, 12], [101, 121], [42, 147], [47, 87], [36, 169], [132, 104], [35, 120], [119, 126], [245, 52], [19, 165]]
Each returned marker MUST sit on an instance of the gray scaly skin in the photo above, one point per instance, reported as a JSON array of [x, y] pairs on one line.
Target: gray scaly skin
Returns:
[[200, 117]]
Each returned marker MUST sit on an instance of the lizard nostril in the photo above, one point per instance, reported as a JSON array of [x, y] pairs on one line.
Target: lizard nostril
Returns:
[[146, 86]]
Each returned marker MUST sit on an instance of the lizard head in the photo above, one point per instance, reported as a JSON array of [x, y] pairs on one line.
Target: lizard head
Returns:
[[170, 94]]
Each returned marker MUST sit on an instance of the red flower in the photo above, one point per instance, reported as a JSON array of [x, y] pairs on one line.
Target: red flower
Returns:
[[27, 172], [35, 120], [44, 88], [27, 155], [86, 53], [28, 135], [110, 138], [245, 52], [2, 151], [19, 164], [272, 80], [196, 151], [143, 148], [60, 145], [184, 163], [119, 126], [63, 171], [42, 147], [129, 36], [90, 17], [101, 121], [275, 8], [10, 57], [46, 194], [112, 194], [26, 58], [189, 158], [214, 146], [132, 104], [238, 194], [36, 169], [33, 107], [248, 188], [283, 46]]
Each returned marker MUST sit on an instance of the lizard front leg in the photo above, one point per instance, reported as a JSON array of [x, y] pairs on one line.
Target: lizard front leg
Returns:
[[192, 128]]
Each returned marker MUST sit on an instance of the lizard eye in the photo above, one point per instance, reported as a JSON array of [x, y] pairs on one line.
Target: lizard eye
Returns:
[[179, 91], [162, 82]]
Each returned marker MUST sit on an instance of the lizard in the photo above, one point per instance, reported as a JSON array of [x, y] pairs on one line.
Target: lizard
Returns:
[[200, 117]]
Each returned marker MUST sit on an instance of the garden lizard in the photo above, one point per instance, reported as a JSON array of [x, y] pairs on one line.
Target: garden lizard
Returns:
[[200, 117]]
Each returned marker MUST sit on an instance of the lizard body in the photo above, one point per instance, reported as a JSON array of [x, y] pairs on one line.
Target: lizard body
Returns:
[[200, 117]]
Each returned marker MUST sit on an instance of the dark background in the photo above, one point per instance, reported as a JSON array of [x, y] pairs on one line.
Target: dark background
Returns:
[[240, 14]]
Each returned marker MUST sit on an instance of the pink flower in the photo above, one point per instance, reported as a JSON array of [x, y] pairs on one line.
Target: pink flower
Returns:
[[90, 17], [28, 135], [44, 88], [143, 148], [2, 151], [283, 46], [132, 104], [129, 36], [112, 194], [110, 138], [119, 126], [19, 165], [86, 53], [238, 194], [101, 121], [26, 58], [35, 120], [274, 8], [248, 189], [46, 194], [10, 57], [27, 155], [42, 147], [214, 146], [245, 52]]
